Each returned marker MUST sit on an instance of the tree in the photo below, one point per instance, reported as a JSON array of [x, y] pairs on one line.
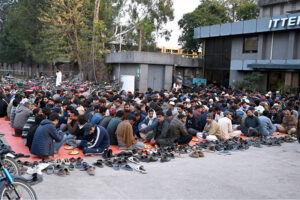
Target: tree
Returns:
[[20, 27], [209, 12], [147, 17], [247, 11], [67, 32], [95, 37]]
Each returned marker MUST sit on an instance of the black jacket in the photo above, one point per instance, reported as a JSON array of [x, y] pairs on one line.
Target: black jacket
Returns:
[[3, 108], [193, 122], [277, 119]]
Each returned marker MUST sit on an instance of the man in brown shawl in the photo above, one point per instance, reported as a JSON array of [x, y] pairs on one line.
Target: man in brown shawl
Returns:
[[125, 136]]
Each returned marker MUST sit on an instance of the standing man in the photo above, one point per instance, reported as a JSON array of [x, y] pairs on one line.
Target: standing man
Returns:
[[58, 77]]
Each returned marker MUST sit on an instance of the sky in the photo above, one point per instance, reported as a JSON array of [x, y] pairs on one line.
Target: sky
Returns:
[[181, 7]]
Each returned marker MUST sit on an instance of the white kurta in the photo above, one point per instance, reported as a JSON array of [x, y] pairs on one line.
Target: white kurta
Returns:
[[58, 78]]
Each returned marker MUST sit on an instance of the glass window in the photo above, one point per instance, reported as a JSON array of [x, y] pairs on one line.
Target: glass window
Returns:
[[250, 44]]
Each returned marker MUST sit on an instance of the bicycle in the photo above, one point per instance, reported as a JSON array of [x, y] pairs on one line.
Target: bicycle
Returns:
[[10, 163], [13, 187]]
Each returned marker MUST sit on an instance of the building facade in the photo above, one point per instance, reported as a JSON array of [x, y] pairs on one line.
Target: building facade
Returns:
[[152, 70], [269, 45]]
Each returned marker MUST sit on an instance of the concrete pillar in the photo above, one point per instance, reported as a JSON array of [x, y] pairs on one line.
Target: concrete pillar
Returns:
[[143, 85], [261, 47], [295, 80], [288, 79], [168, 77], [291, 45]]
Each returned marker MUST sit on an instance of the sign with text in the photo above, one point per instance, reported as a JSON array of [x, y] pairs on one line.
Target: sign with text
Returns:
[[199, 81], [284, 22]]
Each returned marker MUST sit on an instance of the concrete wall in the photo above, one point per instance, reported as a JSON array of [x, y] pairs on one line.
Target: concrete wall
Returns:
[[280, 45], [297, 45], [126, 69], [237, 50], [151, 58], [266, 6], [25, 70], [286, 50]]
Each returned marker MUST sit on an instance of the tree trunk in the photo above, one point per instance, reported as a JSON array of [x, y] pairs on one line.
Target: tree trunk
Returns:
[[95, 37], [80, 66], [140, 39]]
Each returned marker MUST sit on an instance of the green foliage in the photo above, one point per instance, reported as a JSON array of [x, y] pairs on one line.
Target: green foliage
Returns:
[[254, 78], [148, 18], [239, 85], [250, 82], [18, 36], [247, 11], [66, 31], [211, 12]]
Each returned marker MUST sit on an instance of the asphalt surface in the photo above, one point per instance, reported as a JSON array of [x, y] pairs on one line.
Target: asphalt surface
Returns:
[[258, 173]]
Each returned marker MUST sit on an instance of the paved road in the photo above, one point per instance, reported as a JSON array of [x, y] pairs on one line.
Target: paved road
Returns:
[[259, 173]]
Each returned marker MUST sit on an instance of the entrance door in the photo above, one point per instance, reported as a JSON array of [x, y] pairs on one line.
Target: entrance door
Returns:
[[156, 76], [276, 80]]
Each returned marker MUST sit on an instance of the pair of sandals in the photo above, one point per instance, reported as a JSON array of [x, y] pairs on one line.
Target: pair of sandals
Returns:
[[33, 179], [196, 154], [88, 168], [99, 163], [147, 158], [63, 171], [141, 169], [107, 153], [64, 161]]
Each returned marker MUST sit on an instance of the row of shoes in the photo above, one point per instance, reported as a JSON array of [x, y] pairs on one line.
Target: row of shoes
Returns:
[[119, 162], [239, 144]]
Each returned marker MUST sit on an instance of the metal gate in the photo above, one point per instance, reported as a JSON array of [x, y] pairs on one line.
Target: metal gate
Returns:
[[156, 74]]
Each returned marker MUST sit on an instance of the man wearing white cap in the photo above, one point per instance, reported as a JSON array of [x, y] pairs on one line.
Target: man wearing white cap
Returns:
[[173, 109]]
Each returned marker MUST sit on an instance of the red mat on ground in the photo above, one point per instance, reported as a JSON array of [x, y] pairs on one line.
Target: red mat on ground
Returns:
[[18, 146]]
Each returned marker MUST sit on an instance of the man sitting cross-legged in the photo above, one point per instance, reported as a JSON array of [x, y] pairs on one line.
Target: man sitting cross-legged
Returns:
[[125, 136]]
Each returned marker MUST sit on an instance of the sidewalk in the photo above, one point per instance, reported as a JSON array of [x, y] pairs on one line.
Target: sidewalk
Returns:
[[258, 173]]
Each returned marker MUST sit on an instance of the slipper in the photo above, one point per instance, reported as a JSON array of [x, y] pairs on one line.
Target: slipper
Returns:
[[58, 162], [71, 167], [84, 166], [141, 169], [33, 179], [50, 170], [78, 165], [127, 167], [108, 163], [107, 153], [133, 160], [31, 170], [116, 166], [61, 172], [99, 163], [67, 171], [66, 161], [41, 167], [91, 170], [27, 163], [72, 160], [224, 152], [69, 147], [74, 152]]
